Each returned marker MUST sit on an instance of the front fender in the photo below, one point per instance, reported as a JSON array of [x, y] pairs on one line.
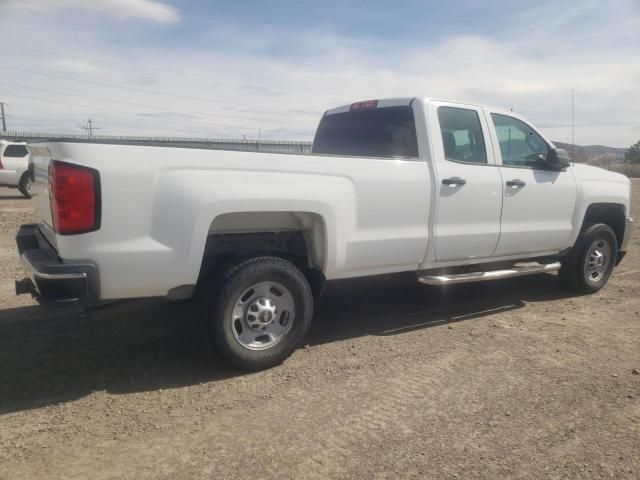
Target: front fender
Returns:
[[597, 186]]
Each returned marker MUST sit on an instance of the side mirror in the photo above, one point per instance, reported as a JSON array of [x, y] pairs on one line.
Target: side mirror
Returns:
[[558, 159]]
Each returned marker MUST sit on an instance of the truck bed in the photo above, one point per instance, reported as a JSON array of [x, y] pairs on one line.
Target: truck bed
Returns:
[[160, 204]]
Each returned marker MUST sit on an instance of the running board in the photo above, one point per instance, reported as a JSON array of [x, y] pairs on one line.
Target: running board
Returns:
[[492, 275]]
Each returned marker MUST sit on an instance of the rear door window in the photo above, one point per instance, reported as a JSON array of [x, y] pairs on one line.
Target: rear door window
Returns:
[[462, 135], [377, 132]]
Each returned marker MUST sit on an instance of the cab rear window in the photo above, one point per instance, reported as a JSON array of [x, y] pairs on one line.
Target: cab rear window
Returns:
[[378, 132]]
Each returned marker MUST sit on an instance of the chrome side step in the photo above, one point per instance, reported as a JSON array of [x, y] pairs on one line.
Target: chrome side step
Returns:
[[515, 271]]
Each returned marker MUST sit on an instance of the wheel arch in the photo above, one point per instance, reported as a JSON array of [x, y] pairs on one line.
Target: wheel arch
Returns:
[[300, 237], [609, 213]]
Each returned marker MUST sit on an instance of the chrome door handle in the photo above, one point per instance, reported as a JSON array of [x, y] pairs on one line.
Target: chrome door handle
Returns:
[[515, 183], [454, 181]]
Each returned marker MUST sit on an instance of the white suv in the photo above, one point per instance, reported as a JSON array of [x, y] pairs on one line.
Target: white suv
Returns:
[[14, 166]]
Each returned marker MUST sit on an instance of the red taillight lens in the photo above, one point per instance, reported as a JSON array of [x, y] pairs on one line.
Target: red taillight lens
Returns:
[[74, 195], [364, 105]]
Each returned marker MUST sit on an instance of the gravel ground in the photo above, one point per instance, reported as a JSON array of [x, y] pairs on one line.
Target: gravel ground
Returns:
[[511, 379]]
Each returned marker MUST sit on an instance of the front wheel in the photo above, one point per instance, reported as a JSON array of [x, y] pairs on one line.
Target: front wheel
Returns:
[[258, 312], [589, 265]]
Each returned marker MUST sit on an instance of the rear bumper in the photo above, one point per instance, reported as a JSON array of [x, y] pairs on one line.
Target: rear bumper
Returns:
[[50, 280]]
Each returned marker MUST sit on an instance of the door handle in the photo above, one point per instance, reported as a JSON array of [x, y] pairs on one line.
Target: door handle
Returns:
[[515, 183], [454, 181]]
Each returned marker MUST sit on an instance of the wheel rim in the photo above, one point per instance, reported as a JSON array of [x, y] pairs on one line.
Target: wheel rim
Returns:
[[262, 315], [27, 187], [597, 260]]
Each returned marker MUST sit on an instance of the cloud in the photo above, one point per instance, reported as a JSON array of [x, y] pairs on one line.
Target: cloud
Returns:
[[530, 65], [144, 9], [143, 81], [170, 116], [74, 65]]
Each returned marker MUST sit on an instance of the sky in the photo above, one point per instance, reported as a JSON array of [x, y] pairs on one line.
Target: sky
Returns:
[[271, 68]]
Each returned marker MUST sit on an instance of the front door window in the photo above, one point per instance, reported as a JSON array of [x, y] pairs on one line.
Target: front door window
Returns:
[[520, 145]]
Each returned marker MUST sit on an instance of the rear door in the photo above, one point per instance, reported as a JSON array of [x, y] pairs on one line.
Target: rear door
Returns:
[[468, 182], [538, 202]]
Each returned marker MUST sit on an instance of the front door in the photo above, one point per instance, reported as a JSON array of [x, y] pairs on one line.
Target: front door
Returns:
[[538, 202], [467, 223]]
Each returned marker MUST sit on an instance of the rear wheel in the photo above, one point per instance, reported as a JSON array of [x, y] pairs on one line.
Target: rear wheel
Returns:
[[589, 265], [25, 185], [258, 312]]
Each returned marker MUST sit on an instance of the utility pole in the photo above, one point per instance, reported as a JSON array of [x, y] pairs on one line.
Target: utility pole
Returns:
[[90, 126], [4, 122]]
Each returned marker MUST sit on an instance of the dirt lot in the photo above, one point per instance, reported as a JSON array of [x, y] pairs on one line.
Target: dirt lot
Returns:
[[513, 379]]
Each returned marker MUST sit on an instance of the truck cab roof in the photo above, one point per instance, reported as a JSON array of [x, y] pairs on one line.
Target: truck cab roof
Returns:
[[404, 101]]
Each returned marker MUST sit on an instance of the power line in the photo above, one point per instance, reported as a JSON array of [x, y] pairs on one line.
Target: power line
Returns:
[[57, 92], [236, 127], [157, 92]]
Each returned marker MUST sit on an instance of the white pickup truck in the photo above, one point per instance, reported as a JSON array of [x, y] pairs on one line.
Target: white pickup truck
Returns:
[[453, 192], [14, 163]]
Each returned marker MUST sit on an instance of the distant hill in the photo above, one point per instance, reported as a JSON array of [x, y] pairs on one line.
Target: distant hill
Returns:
[[600, 156], [593, 154]]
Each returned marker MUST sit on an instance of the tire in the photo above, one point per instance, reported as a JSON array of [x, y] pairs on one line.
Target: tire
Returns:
[[259, 313], [25, 185], [590, 263]]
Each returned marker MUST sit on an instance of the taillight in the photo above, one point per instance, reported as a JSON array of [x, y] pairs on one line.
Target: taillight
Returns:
[[369, 104], [74, 193]]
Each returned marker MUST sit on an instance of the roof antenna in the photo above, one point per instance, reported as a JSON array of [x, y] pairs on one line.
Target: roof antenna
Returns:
[[573, 127]]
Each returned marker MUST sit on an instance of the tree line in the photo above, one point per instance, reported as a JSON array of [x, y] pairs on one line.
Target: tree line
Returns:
[[633, 154]]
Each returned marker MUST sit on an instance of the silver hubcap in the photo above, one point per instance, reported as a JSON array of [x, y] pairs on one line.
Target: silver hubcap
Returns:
[[598, 259], [262, 315]]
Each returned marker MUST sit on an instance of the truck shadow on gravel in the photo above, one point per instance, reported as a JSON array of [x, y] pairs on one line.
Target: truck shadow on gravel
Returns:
[[51, 356], [11, 194], [14, 197]]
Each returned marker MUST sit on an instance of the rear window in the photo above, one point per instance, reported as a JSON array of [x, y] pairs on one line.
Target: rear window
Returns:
[[15, 151], [378, 132]]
